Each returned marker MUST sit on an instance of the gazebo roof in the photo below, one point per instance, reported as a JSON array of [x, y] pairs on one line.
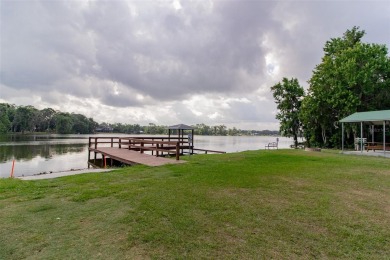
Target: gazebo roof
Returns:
[[374, 117], [180, 127]]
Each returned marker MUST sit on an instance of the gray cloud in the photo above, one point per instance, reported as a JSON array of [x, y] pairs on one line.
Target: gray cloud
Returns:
[[168, 53], [149, 55]]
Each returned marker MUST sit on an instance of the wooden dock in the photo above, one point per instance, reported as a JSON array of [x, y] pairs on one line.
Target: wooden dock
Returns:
[[132, 157], [115, 151], [151, 151]]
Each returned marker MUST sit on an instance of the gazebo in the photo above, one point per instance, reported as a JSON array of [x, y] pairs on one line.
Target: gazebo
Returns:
[[373, 118], [180, 128]]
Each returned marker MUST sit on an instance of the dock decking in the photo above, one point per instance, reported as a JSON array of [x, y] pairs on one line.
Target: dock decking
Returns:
[[116, 151], [133, 157]]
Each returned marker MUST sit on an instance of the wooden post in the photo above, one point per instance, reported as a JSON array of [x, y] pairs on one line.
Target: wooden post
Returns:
[[177, 150], [89, 151], [112, 142], [95, 142], [142, 145], [120, 143], [157, 145], [104, 161], [182, 141], [192, 146], [89, 156]]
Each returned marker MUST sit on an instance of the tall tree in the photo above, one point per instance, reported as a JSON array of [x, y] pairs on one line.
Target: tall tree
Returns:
[[46, 119], [82, 124], [25, 119], [5, 123], [288, 96], [64, 123], [352, 77]]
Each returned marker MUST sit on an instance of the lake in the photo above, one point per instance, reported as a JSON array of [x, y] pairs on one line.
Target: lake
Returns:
[[34, 154]]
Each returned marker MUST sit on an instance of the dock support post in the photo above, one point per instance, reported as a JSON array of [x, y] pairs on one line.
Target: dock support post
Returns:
[[142, 145], [177, 150], [156, 150], [89, 151], [152, 145]]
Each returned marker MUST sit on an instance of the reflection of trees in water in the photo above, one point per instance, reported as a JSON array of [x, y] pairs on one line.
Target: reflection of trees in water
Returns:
[[23, 137], [38, 137], [28, 152]]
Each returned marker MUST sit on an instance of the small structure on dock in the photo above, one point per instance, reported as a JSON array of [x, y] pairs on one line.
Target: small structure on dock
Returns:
[[180, 129]]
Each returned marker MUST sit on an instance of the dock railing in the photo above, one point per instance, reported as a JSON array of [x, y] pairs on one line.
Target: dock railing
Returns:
[[156, 145]]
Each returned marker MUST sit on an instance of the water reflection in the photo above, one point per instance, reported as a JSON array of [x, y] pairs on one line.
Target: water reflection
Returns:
[[12, 138], [39, 153], [35, 159], [28, 152]]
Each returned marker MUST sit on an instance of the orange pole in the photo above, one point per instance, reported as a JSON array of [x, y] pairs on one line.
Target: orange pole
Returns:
[[13, 167]]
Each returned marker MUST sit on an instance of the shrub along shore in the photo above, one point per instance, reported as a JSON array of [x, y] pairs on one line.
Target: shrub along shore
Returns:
[[282, 204]]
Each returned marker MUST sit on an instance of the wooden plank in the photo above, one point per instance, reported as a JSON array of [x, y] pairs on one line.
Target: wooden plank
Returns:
[[206, 150], [131, 157]]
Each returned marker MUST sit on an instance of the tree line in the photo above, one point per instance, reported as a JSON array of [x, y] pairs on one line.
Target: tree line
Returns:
[[199, 129], [28, 119], [352, 77]]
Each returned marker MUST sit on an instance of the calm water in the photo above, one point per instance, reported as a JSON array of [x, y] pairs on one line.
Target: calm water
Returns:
[[35, 154]]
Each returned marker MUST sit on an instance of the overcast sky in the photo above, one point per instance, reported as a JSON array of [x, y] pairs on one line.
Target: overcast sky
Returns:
[[169, 62]]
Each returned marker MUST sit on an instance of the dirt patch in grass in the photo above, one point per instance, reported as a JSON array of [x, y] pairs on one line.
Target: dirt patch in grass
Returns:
[[383, 172], [297, 182], [249, 198], [370, 203]]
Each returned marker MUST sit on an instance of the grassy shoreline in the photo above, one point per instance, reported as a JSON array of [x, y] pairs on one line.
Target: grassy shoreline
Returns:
[[255, 204]]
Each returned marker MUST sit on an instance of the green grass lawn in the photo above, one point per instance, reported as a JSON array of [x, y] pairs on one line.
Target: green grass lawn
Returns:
[[281, 204]]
